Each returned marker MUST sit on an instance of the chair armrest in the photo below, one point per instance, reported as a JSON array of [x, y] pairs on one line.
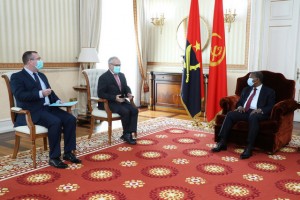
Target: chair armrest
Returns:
[[283, 108], [27, 114], [105, 101], [132, 102], [106, 106], [228, 103]]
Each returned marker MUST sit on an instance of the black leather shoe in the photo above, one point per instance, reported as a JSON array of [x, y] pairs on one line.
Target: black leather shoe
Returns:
[[122, 138], [220, 147], [128, 138], [71, 157], [56, 162], [246, 154]]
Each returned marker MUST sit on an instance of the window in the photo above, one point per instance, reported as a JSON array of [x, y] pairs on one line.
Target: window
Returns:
[[118, 39]]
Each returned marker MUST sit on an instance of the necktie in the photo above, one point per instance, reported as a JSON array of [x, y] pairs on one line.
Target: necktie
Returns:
[[37, 80], [118, 80], [250, 99]]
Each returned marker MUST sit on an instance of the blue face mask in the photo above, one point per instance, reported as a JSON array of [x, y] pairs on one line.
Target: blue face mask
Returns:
[[250, 82], [39, 64], [117, 69]]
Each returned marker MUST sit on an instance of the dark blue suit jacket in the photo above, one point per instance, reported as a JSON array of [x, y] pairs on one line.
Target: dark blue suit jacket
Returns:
[[26, 93], [266, 99]]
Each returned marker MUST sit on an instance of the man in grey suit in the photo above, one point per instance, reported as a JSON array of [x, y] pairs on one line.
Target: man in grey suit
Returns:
[[255, 104], [112, 85]]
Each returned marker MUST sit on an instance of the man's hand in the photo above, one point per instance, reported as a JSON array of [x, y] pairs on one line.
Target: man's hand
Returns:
[[129, 95], [119, 99], [240, 109], [256, 111], [46, 92]]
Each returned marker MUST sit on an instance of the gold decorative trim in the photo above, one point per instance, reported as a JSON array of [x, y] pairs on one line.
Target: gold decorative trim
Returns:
[[46, 65], [164, 64], [247, 35], [167, 64]]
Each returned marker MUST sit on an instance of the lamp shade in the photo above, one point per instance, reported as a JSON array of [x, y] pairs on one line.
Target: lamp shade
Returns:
[[88, 55]]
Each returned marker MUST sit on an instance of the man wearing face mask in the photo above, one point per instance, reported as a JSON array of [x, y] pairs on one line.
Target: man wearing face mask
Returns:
[[255, 104], [33, 92], [112, 85]]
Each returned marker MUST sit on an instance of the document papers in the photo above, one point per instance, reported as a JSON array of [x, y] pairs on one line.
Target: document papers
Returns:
[[71, 103]]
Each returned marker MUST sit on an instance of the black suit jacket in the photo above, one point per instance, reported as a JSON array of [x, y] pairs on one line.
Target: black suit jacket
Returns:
[[108, 87], [266, 99], [26, 93]]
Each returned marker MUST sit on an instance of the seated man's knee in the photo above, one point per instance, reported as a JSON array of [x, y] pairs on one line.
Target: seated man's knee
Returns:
[[134, 111], [230, 114], [56, 122], [253, 118], [71, 119]]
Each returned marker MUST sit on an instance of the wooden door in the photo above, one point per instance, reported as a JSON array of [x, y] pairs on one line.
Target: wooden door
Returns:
[[281, 39]]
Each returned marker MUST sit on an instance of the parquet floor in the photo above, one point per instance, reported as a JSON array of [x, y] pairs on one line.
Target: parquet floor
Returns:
[[7, 139]]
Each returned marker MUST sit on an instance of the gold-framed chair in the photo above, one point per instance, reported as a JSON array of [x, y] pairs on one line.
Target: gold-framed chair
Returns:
[[30, 131], [91, 77]]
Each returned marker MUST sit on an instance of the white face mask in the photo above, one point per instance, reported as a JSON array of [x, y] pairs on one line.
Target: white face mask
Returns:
[[250, 82]]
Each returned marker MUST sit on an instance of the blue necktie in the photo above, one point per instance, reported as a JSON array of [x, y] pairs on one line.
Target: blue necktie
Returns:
[[37, 80]]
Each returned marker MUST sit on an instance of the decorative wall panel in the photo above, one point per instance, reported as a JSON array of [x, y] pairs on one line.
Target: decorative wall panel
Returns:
[[50, 27]]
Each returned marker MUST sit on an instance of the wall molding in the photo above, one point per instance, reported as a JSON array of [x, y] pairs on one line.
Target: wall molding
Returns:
[[6, 126], [46, 65], [154, 65]]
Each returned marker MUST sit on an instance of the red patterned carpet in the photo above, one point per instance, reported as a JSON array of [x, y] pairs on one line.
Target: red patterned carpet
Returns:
[[172, 161]]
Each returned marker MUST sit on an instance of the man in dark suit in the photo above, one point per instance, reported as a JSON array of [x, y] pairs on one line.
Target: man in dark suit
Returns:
[[33, 92], [112, 85], [255, 104]]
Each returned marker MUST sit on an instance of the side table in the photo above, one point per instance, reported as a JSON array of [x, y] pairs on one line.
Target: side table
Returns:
[[82, 118]]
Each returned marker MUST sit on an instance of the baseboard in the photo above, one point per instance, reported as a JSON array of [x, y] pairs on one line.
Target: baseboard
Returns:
[[6, 126]]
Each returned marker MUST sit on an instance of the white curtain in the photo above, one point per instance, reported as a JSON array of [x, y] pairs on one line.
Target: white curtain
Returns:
[[90, 28], [143, 44]]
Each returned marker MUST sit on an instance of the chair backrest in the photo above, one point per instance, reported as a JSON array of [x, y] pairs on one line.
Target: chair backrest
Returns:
[[12, 100], [284, 88], [91, 77]]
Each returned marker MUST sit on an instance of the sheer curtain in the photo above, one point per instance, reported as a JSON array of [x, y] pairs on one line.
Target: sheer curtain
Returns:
[[90, 28], [142, 40], [118, 39]]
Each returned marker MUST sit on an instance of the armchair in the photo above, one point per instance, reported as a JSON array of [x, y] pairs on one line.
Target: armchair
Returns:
[[31, 131], [91, 77], [275, 132]]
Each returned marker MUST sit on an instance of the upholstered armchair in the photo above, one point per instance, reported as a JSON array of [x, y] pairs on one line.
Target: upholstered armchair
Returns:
[[275, 132], [91, 77]]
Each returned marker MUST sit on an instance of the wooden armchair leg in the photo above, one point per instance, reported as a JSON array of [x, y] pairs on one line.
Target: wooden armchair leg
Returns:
[[109, 132], [34, 153], [92, 126], [45, 143], [17, 145]]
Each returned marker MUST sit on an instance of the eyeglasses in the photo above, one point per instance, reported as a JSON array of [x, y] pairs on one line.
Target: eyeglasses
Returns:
[[119, 65]]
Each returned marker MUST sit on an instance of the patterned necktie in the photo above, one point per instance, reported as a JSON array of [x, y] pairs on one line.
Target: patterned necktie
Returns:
[[37, 80], [247, 107], [118, 80]]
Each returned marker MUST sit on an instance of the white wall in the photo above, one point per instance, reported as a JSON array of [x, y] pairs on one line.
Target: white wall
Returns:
[[163, 46]]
